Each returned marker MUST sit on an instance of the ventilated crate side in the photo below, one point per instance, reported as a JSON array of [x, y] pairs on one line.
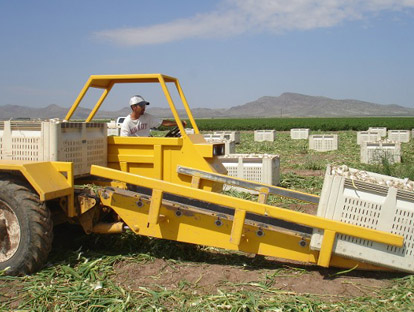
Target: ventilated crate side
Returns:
[[261, 168], [402, 136], [374, 201], [381, 130], [377, 152], [264, 135], [299, 133], [367, 136], [83, 144], [323, 142], [230, 135]]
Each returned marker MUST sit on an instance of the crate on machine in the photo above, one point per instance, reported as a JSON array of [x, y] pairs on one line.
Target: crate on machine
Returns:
[[264, 135], [323, 142], [263, 168], [299, 133], [381, 130], [370, 200], [230, 135], [402, 136], [367, 136], [376, 152], [82, 143]]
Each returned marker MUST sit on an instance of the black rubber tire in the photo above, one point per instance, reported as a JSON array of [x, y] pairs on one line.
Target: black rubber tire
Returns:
[[36, 227]]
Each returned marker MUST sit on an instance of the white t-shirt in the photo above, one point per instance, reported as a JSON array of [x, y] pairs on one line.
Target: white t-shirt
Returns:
[[139, 127]]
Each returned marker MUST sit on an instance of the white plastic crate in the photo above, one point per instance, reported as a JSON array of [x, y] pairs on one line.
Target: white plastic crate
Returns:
[[402, 136], [229, 146], [229, 135], [374, 201], [323, 142], [113, 129], [299, 133], [367, 136], [84, 144], [375, 152], [381, 130], [261, 168], [189, 130], [264, 135]]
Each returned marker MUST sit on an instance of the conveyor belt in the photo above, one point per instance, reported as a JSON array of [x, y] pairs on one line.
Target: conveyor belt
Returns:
[[209, 207]]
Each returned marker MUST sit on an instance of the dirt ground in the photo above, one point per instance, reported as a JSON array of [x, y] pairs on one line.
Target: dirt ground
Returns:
[[205, 278]]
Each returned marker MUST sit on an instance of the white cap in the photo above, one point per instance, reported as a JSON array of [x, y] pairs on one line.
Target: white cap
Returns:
[[137, 99]]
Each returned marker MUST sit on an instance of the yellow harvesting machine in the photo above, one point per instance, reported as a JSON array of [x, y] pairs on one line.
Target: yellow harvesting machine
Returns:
[[164, 187]]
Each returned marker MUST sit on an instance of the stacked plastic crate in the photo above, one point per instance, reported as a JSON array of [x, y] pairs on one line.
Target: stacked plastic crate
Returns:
[[367, 136], [381, 130], [229, 135], [229, 145]]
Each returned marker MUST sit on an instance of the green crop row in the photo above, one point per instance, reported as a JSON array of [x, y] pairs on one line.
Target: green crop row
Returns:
[[315, 124]]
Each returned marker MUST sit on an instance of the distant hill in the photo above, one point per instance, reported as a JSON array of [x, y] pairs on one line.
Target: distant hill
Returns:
[[285, 105]]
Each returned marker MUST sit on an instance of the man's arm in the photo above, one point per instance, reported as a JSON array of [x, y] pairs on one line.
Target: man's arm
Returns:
[[171, 123]]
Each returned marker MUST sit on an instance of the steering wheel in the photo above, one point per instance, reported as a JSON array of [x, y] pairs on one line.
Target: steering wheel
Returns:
[[173, 133]]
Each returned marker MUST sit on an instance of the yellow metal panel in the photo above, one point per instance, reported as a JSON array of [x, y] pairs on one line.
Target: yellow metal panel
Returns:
[[158, 162], [262, 209], [48, 182], [196, 228]]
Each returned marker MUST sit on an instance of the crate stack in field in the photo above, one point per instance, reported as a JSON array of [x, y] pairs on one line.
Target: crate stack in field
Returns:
[[261, 168], [323, 142], [229, 135], [368, 136], [387, 149], [264, 135], [381, 130], [229, 145], [374, 201], [299, 133], [84, 144]]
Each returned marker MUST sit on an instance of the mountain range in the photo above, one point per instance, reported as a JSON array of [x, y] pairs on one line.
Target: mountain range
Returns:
[[285, 105]]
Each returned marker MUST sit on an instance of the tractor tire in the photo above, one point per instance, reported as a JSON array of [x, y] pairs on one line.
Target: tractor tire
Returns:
[[26, 228]]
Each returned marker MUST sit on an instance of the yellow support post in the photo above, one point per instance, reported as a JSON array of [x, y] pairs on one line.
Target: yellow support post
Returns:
[[195, 181], [237, 228], [326, 248], [155, 206], [99, 103]]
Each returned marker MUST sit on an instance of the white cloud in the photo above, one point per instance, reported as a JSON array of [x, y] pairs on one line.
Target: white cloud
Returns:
[[235, 17]]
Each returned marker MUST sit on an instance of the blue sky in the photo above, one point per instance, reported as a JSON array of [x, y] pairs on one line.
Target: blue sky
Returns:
[[224, 52]]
